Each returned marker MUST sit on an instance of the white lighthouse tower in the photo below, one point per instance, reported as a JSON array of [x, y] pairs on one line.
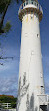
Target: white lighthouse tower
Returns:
[[31, 92]]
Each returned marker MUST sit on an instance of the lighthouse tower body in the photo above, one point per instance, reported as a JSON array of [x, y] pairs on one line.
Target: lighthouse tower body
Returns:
[[31, 94]]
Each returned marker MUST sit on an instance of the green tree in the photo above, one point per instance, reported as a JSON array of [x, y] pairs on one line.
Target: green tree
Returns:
[[8, 99], [4, 4]]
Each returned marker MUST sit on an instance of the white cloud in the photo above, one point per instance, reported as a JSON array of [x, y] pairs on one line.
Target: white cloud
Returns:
[[9, 85], [5, 67]]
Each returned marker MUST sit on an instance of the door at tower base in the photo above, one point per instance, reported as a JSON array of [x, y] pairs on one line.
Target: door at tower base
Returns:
[[43, 107]]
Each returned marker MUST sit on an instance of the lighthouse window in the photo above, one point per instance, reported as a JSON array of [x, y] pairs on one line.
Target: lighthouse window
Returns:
[[42, 89], [37, 35], [26, 2], [32, 2]]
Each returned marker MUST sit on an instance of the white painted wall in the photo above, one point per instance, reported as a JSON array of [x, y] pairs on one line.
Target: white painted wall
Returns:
[[30, 62]]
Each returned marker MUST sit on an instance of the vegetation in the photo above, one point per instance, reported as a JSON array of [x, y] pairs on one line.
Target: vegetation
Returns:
[[4, 4], [5, 28], [8, 99]]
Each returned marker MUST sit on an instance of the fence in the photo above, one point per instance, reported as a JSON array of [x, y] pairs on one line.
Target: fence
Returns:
[[8, 110]]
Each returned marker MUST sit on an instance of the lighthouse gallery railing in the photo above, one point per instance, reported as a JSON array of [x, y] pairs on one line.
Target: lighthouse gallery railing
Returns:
[[43, 99], [32, 3]]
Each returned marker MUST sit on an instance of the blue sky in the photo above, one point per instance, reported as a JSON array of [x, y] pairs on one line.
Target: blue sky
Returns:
[[11, 47]]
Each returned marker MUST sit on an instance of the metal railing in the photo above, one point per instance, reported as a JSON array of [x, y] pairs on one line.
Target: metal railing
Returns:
[[32, 3], [43, 99], [7, 109]]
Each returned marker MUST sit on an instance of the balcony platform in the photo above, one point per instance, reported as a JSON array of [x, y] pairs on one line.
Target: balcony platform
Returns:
[[32, 7], [43, 99]]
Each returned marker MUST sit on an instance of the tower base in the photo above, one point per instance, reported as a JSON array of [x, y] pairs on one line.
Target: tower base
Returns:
[[43, 102]]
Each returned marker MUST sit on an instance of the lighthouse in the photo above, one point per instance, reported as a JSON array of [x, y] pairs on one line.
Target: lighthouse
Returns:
[[31, 91]]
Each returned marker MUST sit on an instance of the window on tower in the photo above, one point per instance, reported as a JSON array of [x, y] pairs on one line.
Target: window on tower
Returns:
[[26, 2], [37, 35], [32, 2], [42, 89]]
